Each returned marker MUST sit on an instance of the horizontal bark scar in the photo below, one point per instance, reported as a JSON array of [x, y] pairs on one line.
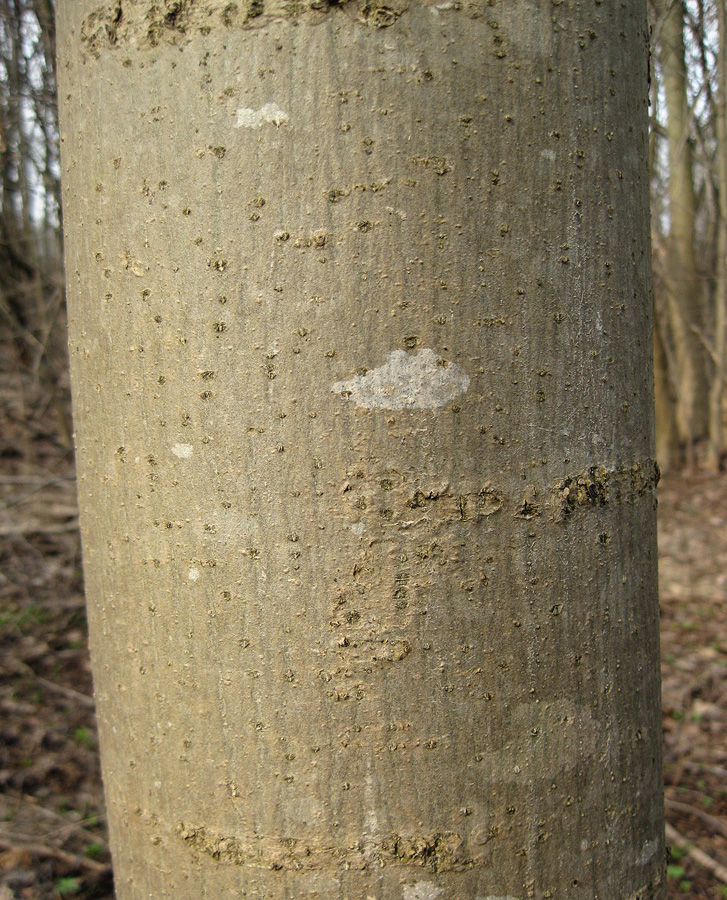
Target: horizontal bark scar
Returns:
[[437, 852], [148, 23], [597, 486]]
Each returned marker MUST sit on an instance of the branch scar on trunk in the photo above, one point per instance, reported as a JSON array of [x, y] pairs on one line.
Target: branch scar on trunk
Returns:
[[424, 381]]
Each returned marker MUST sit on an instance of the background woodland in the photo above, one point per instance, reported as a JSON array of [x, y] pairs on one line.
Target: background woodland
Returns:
[[52, 832]]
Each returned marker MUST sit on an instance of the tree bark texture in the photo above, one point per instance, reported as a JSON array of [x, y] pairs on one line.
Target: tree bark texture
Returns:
[[667, 434], [683, 294], [717, 391], [361, 350]]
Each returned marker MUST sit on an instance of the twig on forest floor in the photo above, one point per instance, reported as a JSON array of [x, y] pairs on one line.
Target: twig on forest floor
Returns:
[[65, 825], [71, 859], [39, 486], [78, 601], [23, 528], [700, 768], [70, 693], [687, 810], [77, 696], [699, 856], [42, 480]]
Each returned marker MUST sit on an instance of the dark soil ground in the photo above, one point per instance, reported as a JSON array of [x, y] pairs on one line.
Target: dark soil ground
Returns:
[[53, 841]]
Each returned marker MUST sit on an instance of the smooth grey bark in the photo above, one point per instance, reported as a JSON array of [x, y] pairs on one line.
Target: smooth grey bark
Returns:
[[361, 348]]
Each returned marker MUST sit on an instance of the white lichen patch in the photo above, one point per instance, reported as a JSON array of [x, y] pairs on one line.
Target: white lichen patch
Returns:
[[422, 890], [548, 154], [509, 897], [424, 381], [648, 851], [270, 113], [193, 574], [183, 451]]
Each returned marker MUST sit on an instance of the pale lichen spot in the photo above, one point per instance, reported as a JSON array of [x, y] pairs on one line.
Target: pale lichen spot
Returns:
[[183, 451], [498, 897], [270, 113], [424, 381], [193, 574], [358, 528], [422, 890], [648, 851], [548, 154]]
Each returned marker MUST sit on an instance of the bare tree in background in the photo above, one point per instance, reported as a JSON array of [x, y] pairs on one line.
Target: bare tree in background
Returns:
[[32, 315], [688, 197], [683, 300]]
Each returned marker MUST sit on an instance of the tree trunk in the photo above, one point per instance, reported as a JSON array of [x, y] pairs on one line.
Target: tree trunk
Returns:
[[361, 351], [667, 436], [716, 399], [683, 289]]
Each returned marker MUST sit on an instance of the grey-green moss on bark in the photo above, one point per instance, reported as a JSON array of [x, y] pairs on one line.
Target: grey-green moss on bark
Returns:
[[361, 355]]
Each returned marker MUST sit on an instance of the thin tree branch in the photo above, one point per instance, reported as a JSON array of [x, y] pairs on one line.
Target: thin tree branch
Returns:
[[699, 856]]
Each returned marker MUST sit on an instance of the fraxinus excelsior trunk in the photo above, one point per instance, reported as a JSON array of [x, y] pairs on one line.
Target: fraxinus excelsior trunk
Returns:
[[361, 339]]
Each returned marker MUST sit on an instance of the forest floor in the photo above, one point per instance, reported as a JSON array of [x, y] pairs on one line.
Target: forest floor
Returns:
[[53, 841]]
